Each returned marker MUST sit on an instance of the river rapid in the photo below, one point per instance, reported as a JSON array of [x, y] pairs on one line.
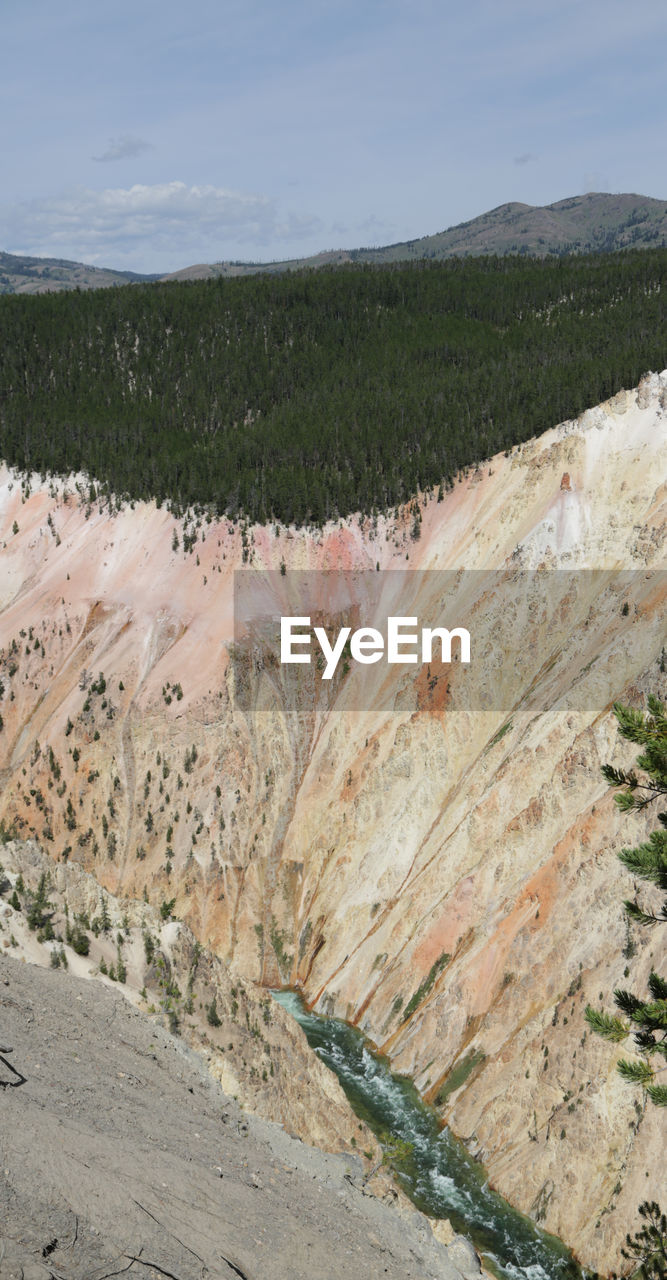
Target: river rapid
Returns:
[[431, 1166]]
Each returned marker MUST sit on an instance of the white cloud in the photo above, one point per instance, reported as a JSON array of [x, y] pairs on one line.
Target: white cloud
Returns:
[[162, 226], [123, 148], [378, 227], [594, 180]]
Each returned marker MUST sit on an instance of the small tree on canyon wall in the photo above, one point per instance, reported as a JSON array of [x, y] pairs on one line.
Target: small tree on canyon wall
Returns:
[[643, 1019], [648, 1247]]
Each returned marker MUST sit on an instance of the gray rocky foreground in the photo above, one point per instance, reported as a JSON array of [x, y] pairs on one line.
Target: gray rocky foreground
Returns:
[[120, 1155]]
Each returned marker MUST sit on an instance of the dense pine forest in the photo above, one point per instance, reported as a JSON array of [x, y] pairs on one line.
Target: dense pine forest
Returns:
[[314, 394]]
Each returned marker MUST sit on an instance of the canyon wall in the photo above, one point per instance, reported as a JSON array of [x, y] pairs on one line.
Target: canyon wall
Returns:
[[251, 1045], [440, 872]]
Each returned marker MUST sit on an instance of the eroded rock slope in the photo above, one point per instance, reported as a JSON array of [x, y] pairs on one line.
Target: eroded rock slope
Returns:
[[446, 879], [56, 916]]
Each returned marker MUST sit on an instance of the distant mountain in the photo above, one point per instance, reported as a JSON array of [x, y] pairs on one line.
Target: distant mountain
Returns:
[[593, 223], [19, 274]]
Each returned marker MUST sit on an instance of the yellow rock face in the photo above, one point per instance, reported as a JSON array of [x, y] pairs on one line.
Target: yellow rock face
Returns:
[[445, 878]]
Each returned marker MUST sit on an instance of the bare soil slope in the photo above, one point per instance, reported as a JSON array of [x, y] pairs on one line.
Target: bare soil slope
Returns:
[[121, 1155]]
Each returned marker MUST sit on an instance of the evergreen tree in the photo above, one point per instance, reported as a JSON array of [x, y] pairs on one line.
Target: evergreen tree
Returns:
[[644, 1019], [105, 918], [39, 905], [305, 397], [79, 940], [121, 968], [648, 1247], [212, 1015]]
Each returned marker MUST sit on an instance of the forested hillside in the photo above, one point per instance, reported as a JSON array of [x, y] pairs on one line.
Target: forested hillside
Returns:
[[311, 395], [22, 274]]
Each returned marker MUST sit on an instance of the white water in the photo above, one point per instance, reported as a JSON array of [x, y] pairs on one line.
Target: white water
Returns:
[[438, 1174]]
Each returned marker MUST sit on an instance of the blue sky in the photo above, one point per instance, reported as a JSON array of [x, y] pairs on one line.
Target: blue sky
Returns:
[[149, 135]]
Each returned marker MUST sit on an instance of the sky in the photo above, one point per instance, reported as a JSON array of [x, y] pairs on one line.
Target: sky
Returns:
[[149, 136]]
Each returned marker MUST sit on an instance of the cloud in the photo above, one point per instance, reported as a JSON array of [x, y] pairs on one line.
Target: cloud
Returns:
[[166, 223], [526, 158], [123, 148], [373, 223], [594, 180]]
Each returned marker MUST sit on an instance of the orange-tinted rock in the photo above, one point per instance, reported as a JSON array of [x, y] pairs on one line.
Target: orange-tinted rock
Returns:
[[352, 850]]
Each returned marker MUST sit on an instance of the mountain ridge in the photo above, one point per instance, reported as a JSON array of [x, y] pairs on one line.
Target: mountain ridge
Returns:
[[594, 222], [21, 273]]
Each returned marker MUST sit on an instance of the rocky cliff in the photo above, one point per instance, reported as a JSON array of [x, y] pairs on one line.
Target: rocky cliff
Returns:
[[441, 873], [249, 1043]]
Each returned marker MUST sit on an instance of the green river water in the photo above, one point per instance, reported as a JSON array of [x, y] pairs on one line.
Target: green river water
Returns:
[[437, 1173]]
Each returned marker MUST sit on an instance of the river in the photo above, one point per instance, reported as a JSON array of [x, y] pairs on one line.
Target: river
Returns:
[[433, 1168]]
